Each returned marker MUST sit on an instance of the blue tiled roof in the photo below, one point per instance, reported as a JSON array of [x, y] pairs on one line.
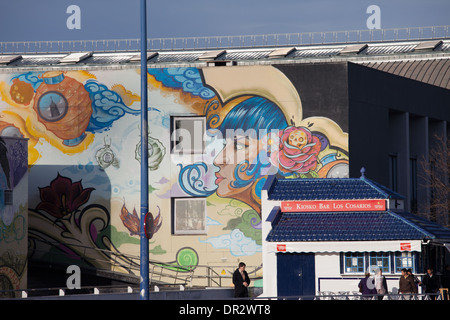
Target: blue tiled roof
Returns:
[[435, 230], [328, 189], [347, 226]]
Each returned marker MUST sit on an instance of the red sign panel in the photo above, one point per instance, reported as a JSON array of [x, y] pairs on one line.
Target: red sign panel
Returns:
[[405, 246], [281, 247], [333, 205]]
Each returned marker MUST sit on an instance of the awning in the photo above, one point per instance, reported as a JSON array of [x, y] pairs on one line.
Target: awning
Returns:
[[344, 246]]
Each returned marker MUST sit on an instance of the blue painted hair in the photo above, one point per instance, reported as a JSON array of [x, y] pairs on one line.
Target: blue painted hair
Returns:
[[254, 113]]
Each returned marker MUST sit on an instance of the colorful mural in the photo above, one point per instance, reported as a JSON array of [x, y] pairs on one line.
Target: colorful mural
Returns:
[[13, 216], [83, 130]]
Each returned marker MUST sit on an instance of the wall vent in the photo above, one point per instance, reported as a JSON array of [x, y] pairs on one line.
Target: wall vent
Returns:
[[353, 49], [428, 45], [211, 55], [280, 53], [137, 57], [75, 57], [221, 63]]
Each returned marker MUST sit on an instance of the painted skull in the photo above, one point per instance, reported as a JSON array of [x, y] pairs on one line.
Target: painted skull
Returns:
[[298, 138]]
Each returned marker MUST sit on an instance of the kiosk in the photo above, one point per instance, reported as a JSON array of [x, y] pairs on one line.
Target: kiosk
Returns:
[[323, 235]]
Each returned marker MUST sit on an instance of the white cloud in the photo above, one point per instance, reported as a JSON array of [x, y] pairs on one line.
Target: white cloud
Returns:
[[237, 242]]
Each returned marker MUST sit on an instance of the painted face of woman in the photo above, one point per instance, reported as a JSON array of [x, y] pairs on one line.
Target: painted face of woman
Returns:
[[235, 162]]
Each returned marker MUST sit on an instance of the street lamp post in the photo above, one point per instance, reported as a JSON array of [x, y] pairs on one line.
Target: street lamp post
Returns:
[[144, 254]]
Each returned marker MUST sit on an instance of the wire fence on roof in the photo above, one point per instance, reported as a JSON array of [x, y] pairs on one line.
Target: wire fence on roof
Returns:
[[227, 42]]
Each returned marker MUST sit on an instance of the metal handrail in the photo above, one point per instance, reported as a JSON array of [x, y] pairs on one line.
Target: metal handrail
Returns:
[[211, 277], [62, 291], [388, 296], [193, 275], [127, 261], [353, 296], [163, 272], [320, 296], [228, 42]]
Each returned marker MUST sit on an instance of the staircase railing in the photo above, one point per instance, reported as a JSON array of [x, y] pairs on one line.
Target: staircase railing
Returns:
[[161, 273]]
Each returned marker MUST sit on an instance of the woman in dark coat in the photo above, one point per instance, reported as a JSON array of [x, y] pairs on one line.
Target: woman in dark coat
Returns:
[[367, 287], [241, 281]]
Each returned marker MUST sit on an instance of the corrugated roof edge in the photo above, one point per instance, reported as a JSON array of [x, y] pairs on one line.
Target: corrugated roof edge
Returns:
[[384, 190], [270, 183], [410, 223], [423, 234]]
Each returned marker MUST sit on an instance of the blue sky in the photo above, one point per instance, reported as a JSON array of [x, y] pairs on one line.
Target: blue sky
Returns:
[[45, 20]]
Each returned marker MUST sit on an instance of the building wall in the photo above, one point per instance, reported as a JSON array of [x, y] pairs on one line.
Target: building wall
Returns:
[[329, 279], [83, 128], [323, 88], [13, 215], [396, 117], [328, 275]]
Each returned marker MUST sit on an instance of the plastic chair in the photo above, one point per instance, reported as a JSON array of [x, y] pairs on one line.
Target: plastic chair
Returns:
[[444, 296]]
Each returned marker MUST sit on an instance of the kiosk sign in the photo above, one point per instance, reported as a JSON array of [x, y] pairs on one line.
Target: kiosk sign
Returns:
[[405, 246], [333, 205]]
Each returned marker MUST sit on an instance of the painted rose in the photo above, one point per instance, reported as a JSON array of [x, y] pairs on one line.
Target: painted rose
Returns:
[[298, 150]]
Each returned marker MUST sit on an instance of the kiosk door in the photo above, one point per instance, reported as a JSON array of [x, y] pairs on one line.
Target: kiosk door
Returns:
[[295, 274]]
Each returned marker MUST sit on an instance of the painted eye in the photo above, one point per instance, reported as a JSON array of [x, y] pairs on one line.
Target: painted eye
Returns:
[[238, 145]]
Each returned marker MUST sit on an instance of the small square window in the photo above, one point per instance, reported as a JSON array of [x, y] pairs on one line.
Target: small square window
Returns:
[[354, 263], [189, 216], [188, 135], [404, 260], [380, 260], [8, 196]]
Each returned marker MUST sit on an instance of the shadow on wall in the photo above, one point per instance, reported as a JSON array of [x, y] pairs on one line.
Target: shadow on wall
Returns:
[[13, 214], [69, 220]]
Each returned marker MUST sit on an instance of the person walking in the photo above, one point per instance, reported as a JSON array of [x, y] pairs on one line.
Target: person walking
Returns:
[[367, 287], [241, 281], [380, 284], [407, 287], [432, 283]]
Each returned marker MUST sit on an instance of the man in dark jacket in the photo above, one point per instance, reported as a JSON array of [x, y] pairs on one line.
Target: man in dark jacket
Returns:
[[432, 283], [241, 281], [407, 285]]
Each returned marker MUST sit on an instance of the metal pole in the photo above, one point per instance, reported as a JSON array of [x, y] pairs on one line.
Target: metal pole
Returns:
[[144, 263]]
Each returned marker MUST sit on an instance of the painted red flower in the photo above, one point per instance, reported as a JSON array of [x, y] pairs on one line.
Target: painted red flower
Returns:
[[63, 197], [298, 150]]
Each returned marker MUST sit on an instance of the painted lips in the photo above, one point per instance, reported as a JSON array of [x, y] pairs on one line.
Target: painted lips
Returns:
[[218, 177]]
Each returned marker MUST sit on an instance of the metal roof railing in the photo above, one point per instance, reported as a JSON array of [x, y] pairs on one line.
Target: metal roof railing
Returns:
[[227, 42]]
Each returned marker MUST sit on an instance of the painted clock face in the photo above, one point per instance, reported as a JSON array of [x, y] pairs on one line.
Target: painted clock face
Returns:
[[52, 106]]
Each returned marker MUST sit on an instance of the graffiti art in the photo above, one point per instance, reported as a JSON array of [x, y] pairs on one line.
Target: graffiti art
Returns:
[[215, 135]]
